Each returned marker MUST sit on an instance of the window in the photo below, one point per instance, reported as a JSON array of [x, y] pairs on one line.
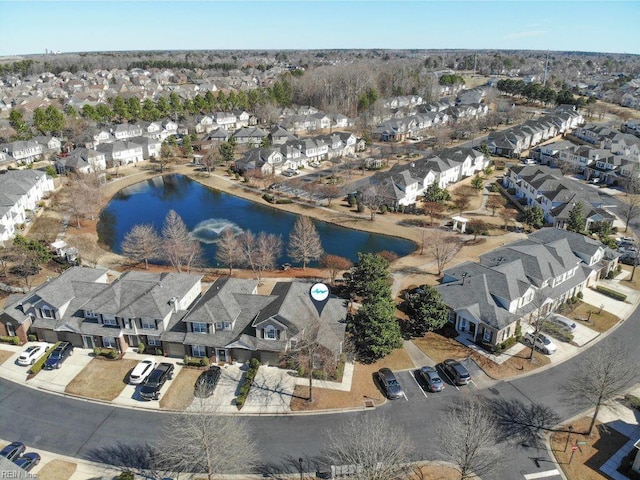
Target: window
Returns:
[[147, 324], [199, 327], [223, 325], [108, 320], [47, 312], [109, 342], [270, 332], [198, 351], [89, 314], [153, 340], [486, 336], [294, 344]]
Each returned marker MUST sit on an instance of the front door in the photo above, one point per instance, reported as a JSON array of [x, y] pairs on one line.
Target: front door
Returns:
[[87, 341], [222, 355], [472, 329]]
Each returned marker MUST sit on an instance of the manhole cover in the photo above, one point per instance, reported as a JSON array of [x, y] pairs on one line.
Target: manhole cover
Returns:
[[369, 404]]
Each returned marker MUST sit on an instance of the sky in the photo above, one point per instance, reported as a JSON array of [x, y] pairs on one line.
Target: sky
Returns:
[[114, 25]]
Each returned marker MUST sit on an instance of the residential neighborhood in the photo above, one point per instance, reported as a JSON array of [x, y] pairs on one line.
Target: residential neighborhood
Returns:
[[304, 248]]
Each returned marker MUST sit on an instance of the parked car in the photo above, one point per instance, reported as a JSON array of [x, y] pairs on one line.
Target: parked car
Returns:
[[32, 354], [13, 450], [58, 356], [431, 378], [630, 259], [456, 371], [290, 172], [206, 382], [562, 322], [541, 342], [28, 461], [389, 383], [141, 371], [157, 378]]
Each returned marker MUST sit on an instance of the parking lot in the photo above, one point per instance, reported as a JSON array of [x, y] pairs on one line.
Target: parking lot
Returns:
[[416, 391]]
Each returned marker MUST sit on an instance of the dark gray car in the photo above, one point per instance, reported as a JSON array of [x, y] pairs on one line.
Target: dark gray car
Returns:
[[389, 384], [431, 378], [456, 372]]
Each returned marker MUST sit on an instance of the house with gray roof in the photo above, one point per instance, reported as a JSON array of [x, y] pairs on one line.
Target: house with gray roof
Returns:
[[20, 192], [81, 306], [547, 188], [81, 160], [231, 322], [514, 284]]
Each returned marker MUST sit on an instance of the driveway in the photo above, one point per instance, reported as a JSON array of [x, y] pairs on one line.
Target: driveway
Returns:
[[271, 391], [58, 379]]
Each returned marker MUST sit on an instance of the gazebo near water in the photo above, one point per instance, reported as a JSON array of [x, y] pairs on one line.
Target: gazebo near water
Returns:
[[459, 220]]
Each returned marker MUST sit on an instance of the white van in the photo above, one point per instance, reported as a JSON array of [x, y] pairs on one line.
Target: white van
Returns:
[[562, 322]]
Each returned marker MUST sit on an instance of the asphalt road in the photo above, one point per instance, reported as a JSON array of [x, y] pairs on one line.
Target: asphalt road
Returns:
[[86, 430]]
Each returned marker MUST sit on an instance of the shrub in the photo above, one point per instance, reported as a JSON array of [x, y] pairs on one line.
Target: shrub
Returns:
[[106, 352], [360, 207], [580, 295], [320, 375], [245, 383], [351, 199], [141, 347], [126, 476], [36, 367], [196, 361], [611, 293], [556, 332], [508, 343], [204, 362], [32, 337], [267, 197], [518, 334], [633, 401], [108, 178], [11, 340], [283, 201], [383, 209]]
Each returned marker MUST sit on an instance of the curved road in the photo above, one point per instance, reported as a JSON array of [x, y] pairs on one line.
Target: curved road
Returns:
[[83, 429]]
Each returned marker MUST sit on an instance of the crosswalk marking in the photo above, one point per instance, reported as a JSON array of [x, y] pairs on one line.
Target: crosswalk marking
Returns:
[[548, 473]]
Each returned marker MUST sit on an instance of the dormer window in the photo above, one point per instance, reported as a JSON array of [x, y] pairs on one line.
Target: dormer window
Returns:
[[223, 326], [46, 312], [270, 333]]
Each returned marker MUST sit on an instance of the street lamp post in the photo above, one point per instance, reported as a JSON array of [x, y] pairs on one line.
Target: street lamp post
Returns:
[[568, 437]]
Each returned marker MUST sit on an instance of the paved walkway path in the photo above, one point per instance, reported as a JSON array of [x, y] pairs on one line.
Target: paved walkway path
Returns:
[[418, 357]]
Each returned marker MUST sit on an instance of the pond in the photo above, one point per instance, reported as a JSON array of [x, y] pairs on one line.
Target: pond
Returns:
[[207, 213]]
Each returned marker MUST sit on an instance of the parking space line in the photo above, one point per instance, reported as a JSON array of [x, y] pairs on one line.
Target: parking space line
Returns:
[[474, 383], [448, 378], [419, 386], [405, 396], [548, 473]]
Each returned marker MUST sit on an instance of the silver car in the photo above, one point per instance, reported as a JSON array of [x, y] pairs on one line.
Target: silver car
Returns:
[[562, 322]]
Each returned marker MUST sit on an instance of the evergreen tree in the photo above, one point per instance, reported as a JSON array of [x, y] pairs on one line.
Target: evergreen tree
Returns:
[[370, 277], [376, 332], [426, 311], [577, 223], [436, 194], [534, 216]]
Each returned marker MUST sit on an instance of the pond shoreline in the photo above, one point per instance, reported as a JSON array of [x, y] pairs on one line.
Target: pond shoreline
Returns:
[[340, 216]]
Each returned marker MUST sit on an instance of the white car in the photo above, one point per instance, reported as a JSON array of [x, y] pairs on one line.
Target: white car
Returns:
[[32, 354], [141, 371], [541, 342]]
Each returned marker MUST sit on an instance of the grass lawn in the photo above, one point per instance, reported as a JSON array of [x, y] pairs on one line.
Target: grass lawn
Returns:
[[586, 461], [4, 355], [435, 472], [102, 379], [180, 393], [439, 348], [57, 470], [362, 388], [600, 322]]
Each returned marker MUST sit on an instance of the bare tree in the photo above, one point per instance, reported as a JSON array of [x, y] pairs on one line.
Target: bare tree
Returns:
[[373, 200], [311, 354], [461, 203], [142, 243], [495, 202], [178, 246], [443, 249], [630, 208], [335, 264], [304, 242], [371, 447], [167, 153], [260, 252], [84, 195], [468, 437], [229, 249], [210, 160], [604, 374], [204, 427], [432, 209], [90, 252], [7, 255]]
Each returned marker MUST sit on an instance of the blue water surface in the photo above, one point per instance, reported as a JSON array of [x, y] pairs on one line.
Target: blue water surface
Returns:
[[208, 212]]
